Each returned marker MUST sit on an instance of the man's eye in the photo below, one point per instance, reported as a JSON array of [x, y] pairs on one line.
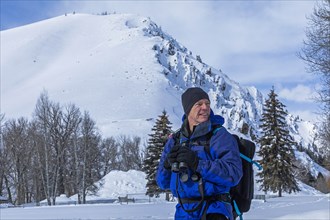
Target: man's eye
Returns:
[[201, 103]]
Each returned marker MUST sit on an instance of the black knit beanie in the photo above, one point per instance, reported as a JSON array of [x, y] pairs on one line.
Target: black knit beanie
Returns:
[[191, 96]]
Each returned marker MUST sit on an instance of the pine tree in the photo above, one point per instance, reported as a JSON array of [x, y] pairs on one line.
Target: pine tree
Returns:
[[276, 149], [156, 142]]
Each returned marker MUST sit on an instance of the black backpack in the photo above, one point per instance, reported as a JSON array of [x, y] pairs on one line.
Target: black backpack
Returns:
[[241, 194]]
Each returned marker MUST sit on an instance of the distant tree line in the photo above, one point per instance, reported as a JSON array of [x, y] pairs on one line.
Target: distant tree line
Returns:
[[60, 151]]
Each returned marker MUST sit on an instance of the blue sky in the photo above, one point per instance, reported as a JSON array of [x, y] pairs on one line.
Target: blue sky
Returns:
[[254, 42]]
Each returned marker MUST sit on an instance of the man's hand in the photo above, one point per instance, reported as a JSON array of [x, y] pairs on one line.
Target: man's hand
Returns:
[[185, 154], [171, 157]]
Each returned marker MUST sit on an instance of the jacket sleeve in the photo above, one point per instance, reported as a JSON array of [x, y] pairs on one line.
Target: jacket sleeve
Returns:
[[225, 168], [163, 176]]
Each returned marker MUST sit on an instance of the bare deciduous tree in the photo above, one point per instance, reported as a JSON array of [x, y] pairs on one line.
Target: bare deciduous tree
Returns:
[[316, 54], [19, 151], [130, 156], [89, 142], [59, 152], [46, 153], [109, 155]]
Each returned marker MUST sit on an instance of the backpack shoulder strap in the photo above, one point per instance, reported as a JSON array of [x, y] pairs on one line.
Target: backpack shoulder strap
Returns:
[[247, 150], [176, 136], [214, 130]]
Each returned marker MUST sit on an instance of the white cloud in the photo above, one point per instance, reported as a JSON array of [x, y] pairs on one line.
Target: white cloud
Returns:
[[307, 115], [299, 93]]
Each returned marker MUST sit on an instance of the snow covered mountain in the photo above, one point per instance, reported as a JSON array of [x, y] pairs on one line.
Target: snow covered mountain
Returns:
[[123, 69]]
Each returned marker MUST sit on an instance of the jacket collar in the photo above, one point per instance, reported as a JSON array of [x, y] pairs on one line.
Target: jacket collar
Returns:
[[202, 128]]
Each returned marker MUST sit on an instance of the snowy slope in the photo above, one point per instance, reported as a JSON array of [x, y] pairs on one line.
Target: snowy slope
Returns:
[[103, 64], [120, 183]]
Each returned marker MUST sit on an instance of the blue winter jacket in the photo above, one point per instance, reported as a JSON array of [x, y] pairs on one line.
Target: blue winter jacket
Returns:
[[220, 169]]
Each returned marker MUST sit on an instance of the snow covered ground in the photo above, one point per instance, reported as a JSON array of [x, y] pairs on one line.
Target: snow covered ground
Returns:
[[285, 208], [308, 204]]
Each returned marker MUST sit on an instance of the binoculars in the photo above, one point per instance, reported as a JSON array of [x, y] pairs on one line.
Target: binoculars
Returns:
[[176, 166], [182, 168]]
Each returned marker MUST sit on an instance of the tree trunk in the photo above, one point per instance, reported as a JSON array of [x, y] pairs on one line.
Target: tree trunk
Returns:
[[10, 198], [167, 196]]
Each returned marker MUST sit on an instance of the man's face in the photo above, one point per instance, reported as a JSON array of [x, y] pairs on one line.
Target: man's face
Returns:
[[200, 112]]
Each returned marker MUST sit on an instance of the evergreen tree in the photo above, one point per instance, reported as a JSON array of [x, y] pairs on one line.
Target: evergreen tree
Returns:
[[156, 142], [276, 149]]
